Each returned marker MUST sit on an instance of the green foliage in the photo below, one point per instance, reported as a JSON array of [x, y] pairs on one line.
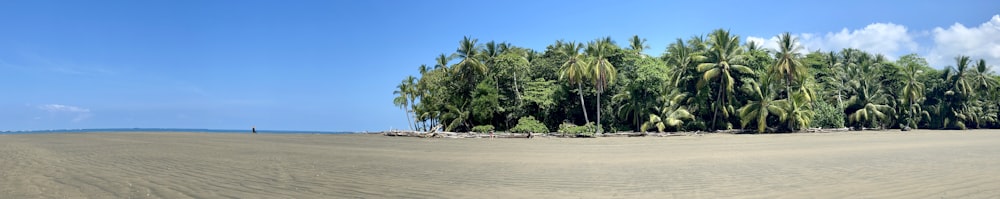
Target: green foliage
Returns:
[[540, 92], [797, 113], [482, 128], [722, 71], [572, 129], [529, 124], [762, 103], [697, 84], [827, 115], [485, 103]]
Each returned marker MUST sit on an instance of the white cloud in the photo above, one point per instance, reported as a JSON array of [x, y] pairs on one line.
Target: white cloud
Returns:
[[80, 114], [62, 108], [982, 42], [884, 38], [893, 40]]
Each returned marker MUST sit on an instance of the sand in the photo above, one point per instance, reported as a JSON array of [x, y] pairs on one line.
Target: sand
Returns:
[[920, 164]]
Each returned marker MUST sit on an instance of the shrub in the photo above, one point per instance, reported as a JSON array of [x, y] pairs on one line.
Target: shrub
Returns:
[[827, 116], [696, 125], [585, 130], [529, 124], [482, 128]]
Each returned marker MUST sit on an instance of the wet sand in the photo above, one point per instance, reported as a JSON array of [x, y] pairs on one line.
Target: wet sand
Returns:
[[920, 164]]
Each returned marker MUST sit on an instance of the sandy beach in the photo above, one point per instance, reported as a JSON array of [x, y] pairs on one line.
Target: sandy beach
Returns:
[[892, 164]]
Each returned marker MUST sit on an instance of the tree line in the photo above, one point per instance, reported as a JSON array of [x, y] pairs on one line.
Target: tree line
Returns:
[[704, 83]]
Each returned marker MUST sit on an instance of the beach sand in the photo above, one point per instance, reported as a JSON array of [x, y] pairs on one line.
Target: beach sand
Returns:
[[892, 164]]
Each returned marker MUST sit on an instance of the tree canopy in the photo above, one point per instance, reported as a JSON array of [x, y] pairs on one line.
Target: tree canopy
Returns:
[[706, 82]]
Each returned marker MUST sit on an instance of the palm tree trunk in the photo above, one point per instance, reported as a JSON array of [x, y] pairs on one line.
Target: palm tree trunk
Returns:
[[636, 118], [715, 116], [408, 120], [788, 91], [840, 96], [599, 129], [579, 87], [516, 91], [913, 122]]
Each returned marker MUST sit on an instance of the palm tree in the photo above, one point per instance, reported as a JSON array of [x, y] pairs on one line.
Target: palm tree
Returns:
[[637, 44], [602, 71], [575, 70], [672, 114], [837, 79], [490, 52], [960, 79], [471, 63], [682, 59], [913, 91], [868, 103], [981, 76], [788, 66], [762, 103], [629, 106], [456, 117], [952, 112], [442, 61], [724, 50], [796, 111], [402, 101]]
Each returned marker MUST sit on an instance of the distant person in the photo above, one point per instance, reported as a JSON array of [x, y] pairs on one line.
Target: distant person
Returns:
[[491, 135], [253, 129]]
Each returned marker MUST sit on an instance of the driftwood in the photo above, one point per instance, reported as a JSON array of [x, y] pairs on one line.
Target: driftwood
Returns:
[[436, 128], [822, 130], [734, 131], [445, 134]]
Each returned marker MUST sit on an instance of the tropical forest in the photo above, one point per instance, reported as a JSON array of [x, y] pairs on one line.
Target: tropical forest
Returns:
[[709, 82]]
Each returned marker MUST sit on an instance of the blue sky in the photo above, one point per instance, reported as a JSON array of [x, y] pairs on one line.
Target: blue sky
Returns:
[[332, 65]]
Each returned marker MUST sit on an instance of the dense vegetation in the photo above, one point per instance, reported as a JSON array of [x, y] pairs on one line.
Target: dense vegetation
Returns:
[[706, 83]]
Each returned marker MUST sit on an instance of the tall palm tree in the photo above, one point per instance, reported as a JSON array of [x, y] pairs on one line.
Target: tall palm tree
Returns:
[[960, 79], [682, 59], [837, 78], [471, 65], [756, 110], [637, 44], [913, 91], [442, 61], [402, 99], [575, 70], [490, 52], [982, 79], [867, 105], [952, 112], [981, 76], [602, 71], [423, 69], [788, 66], [724, 50]]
